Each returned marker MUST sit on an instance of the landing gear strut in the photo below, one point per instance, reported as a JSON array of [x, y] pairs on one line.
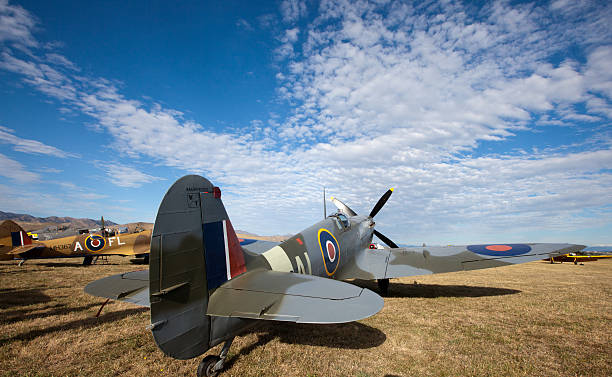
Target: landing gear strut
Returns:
[[211, 365], [383, 286]]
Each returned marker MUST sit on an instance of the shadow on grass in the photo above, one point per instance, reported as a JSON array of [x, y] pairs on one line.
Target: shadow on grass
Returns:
[[82, 323], [58, 309], [352, 335], [436, 290], [15, 271], [10, 297], [77, 263]]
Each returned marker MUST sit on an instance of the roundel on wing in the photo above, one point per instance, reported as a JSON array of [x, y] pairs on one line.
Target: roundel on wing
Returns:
[[330, 250], [500, 250], [95, 242]]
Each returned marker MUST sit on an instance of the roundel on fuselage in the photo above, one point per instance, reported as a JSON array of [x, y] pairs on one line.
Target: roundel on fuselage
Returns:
[[330, 250], [95, 242]]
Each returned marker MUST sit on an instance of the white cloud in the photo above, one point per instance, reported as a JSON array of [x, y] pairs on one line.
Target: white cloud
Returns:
[[14, 170], [285, 50], [126, 176], [293, 10], [244, 24], [16, 25], [62, 61], [30, 146]]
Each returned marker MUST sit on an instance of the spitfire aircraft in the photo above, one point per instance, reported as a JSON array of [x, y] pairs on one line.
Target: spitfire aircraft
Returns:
[[204, 286], [87, 246]]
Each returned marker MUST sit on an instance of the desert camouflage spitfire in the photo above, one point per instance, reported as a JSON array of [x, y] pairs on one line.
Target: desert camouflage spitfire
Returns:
[[204, 285], [16, 244]]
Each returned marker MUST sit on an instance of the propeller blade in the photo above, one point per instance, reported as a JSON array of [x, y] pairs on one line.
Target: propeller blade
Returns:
[[381, 202], [384, 239], [343, 207]]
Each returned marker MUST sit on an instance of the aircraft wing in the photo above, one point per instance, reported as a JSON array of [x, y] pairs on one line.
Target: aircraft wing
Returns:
[[130, 287], [399, 262], [286, 296], [257, 246], [24, 249]]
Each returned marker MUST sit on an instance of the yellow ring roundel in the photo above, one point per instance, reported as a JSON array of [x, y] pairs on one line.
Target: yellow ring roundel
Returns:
[[330, 251], [94, 243]]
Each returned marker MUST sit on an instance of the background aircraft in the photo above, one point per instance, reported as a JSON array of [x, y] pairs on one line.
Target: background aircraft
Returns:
[[88, 245], [204, 287], [578, 258]]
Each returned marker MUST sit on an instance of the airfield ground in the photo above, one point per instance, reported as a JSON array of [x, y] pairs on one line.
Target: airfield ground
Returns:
[[535, 319]]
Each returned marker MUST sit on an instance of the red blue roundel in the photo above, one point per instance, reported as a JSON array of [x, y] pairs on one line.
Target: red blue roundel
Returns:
[[95, 242], [330, 250], [501, 250]]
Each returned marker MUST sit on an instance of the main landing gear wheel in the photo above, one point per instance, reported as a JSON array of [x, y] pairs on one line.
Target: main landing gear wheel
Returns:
[[207, 366]]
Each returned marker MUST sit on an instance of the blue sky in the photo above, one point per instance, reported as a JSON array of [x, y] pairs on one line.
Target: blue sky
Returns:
[[491, 121]]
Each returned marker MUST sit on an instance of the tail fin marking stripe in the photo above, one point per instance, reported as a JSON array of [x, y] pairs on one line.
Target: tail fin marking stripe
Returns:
[[227, 254], [224, 258]]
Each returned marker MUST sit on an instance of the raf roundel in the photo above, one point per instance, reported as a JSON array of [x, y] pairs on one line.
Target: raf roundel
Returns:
[[330, 250], [508, 250], [95, 242]]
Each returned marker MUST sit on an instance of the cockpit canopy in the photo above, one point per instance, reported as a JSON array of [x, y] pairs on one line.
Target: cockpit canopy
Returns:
[[341, 220]]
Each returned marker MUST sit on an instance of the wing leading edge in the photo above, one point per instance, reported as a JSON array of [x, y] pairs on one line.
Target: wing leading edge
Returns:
[[400, 262]]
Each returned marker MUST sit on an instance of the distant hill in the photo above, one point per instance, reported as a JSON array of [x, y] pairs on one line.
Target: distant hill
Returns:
[[29, 222], [55, 227]]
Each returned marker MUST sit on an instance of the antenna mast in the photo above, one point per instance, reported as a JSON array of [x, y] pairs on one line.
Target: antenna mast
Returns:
[[324, 205]]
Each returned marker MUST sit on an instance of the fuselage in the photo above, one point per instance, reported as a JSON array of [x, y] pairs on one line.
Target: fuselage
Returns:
[[321, 249]]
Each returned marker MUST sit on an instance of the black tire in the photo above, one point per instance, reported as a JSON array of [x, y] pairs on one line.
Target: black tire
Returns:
[[205, 369]]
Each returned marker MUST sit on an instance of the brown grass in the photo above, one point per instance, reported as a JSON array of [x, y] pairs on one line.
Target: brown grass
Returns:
[[526, 320]]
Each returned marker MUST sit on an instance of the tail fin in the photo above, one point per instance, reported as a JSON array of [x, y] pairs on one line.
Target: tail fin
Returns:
[[20, 238], [7, 228], [194, 249]]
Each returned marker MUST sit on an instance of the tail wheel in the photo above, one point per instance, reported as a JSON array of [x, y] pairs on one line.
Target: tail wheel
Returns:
[[207, 366]]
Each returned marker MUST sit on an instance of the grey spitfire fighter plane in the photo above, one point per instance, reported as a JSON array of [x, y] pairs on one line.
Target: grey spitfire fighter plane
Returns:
[[204, 285]]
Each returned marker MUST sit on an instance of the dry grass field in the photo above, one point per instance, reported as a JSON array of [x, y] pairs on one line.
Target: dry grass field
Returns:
[[535, 319]]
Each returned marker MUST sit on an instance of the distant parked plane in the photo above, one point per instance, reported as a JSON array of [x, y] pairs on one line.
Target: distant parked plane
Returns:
[[578, 258], [87, 245]]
